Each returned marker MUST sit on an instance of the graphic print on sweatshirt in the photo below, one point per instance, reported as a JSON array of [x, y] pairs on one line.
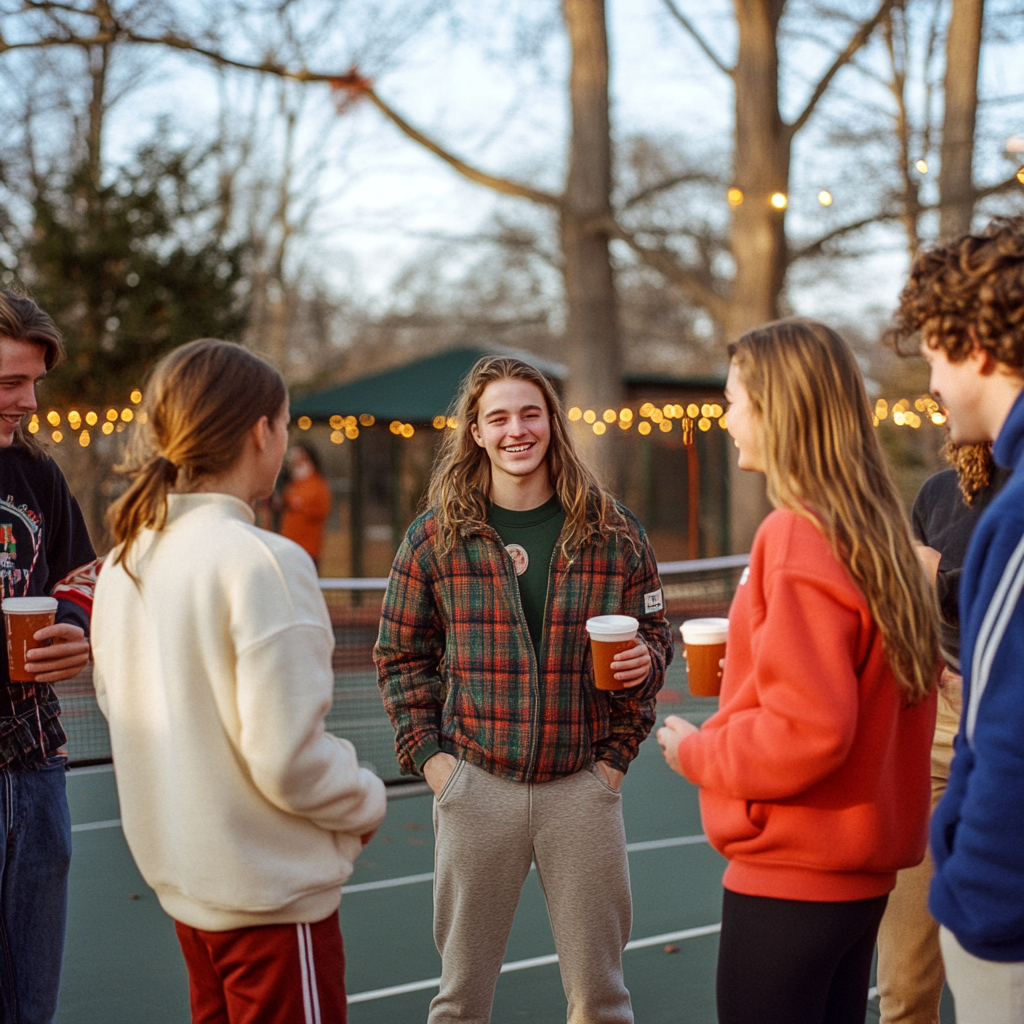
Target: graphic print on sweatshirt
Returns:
[[20, 527]]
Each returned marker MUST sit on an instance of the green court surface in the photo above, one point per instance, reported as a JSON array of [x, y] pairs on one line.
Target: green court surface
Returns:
[[123, 965]]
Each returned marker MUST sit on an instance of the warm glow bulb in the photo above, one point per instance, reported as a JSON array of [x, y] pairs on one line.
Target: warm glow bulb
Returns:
[[735, 196], [825, 197], [779, 200], [922, 166]]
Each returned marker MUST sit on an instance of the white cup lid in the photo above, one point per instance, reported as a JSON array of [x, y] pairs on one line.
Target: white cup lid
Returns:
[[705, 631], [26, 605], [613, 627]]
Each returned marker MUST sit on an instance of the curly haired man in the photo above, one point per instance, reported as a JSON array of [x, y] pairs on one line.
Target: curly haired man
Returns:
[[966, 300]]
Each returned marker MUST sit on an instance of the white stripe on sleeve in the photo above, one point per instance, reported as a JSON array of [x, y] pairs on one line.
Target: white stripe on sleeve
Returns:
[[993, 628]]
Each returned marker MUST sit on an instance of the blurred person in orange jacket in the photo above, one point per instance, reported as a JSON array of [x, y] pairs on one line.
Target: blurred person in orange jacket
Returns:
[[307, 500]]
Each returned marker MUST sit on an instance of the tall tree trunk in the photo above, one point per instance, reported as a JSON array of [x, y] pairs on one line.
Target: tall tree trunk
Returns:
[[956, 184], [592, 350], [99, 61], [761, 169]]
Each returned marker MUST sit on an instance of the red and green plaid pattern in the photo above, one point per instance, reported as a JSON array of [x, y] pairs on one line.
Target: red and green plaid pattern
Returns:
[[458, 672]]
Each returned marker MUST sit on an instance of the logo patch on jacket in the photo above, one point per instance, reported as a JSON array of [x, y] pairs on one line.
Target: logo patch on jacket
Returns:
[[653, 602]]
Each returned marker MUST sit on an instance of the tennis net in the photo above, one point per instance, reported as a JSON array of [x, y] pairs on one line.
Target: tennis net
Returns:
[[692, 589]]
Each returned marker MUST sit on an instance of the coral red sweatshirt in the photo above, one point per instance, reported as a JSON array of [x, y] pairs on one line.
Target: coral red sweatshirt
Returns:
[[814, 773]]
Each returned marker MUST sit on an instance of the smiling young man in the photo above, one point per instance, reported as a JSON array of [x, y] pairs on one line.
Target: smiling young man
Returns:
[[42, 539], [966, 299], [484, 664]]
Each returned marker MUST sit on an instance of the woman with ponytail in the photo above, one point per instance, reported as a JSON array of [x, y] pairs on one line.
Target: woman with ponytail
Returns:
[[814, 773], [213, 666]]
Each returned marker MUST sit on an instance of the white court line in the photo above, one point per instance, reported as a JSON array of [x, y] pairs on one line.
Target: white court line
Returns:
[[90, 826], [535, 961], [428, 876]]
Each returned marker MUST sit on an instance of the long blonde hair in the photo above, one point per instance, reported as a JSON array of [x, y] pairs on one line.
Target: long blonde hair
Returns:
[[201, 401], [460, 484], [823, 460]]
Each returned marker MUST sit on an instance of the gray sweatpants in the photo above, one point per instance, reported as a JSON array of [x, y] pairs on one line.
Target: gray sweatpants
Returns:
[[488, 830]]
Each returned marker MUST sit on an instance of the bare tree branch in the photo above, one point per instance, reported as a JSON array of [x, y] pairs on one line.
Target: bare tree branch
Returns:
[[697, 285], [663, 186], [816, 247], [498, 184], [350, 81], [859, 38], [698, 38]]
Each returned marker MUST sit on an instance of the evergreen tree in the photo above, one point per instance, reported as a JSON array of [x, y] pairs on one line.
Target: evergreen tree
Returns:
[[130, 268]]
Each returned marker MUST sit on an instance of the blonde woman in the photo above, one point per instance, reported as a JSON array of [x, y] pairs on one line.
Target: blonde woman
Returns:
[[814, 773], [213, 667]]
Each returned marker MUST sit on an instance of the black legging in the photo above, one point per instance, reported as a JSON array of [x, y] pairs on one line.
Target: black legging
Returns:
[[795, 962]]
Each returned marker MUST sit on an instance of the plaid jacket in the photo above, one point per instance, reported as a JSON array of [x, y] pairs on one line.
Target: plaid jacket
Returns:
[[458, 672]]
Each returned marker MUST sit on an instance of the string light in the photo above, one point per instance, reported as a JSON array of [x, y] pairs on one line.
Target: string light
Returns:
[[337, 437], [84, 438], [735, 196], [589, 416], [779, 200], [922, 166], [599, 428], [575, 413], [644, 428], [135, 396], [91, 418], [304, 423], [1020, 175], [127, 415], [825, 197], [609, 416], [440, 422], [366, 420], [53, 418]]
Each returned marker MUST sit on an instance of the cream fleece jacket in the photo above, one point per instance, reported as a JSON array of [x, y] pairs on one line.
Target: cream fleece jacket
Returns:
[[215, 677]]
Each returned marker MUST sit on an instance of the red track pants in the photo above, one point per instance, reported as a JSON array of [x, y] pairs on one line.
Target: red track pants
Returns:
[[270, 974]]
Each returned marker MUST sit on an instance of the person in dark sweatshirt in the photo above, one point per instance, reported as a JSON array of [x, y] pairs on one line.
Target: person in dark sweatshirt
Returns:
[[42, 539], [946, 510], [966, 301]]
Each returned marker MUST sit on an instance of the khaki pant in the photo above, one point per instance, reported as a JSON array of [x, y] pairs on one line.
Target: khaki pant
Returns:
[[910, 972], [984, 991], [488, 831]]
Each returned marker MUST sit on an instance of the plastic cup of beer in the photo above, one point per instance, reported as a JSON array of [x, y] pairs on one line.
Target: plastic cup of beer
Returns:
[[610, 634], [23, 616], [705, 647]]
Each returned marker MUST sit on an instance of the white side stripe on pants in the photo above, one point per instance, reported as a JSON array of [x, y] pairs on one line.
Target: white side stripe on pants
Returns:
[[310, 996]]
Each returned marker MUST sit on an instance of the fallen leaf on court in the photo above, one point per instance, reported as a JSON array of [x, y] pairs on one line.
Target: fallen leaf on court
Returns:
[[133, 896], [670, 948]]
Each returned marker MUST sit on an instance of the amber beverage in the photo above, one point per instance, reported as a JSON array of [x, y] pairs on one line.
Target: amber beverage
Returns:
[[23, 616], [705, 641], [610, 634]]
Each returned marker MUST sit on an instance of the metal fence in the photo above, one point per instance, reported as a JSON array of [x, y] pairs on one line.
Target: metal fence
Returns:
[[692, 589]]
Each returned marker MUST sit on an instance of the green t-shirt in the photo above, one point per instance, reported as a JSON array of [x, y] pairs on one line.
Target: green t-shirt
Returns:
[[530, 537]]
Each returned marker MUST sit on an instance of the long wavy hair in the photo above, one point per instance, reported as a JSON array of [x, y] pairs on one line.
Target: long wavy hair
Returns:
[[460, 484], [823, 460], [200, 403]]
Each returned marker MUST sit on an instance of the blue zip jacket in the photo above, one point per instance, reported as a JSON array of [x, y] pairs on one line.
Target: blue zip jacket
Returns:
[[977, 831]]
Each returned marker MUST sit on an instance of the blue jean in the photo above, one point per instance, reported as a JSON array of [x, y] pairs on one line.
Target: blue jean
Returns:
[[35, 856]]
